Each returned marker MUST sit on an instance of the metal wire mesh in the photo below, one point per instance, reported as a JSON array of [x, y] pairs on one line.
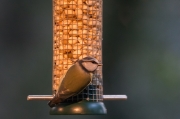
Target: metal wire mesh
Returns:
[[77, 33]]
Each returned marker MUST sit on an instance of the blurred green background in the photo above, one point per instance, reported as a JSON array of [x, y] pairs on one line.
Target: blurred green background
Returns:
[[141, 57]]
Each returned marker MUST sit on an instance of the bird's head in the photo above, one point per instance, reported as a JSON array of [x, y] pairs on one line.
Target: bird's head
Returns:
[[90, 64]]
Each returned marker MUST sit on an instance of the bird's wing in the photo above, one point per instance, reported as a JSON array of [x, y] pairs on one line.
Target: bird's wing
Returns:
[[72, 83]]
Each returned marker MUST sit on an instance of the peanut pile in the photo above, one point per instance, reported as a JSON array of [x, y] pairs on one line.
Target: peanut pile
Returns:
[[77, 33]]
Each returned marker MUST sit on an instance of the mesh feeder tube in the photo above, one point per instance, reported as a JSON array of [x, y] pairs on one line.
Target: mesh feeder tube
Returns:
[[77, 33]]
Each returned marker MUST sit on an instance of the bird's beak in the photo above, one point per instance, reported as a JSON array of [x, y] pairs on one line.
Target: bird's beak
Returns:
[[100, 64]]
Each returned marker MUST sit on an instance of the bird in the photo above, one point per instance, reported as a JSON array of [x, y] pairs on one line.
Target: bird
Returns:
[[76, 79]]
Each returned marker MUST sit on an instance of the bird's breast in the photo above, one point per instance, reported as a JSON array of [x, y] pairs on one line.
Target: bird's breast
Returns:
[[76, 79]]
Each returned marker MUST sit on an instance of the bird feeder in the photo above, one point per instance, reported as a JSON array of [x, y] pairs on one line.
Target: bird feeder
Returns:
[[77, 33]]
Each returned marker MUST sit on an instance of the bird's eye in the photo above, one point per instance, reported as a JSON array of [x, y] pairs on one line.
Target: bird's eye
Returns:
[[94, 62]]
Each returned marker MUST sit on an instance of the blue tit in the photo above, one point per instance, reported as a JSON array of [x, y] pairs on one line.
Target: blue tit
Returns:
[[75, 80]]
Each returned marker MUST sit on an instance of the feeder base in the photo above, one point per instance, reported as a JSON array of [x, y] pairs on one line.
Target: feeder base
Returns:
[[79, 108]]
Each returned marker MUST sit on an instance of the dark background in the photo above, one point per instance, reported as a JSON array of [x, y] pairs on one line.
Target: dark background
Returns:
[[141, 54]]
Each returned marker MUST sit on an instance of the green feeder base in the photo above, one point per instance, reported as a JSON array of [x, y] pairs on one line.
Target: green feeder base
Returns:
[[78, 108]]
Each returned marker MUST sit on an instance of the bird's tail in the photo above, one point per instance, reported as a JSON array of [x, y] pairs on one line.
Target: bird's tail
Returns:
[[56, 100], [51, 104]]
